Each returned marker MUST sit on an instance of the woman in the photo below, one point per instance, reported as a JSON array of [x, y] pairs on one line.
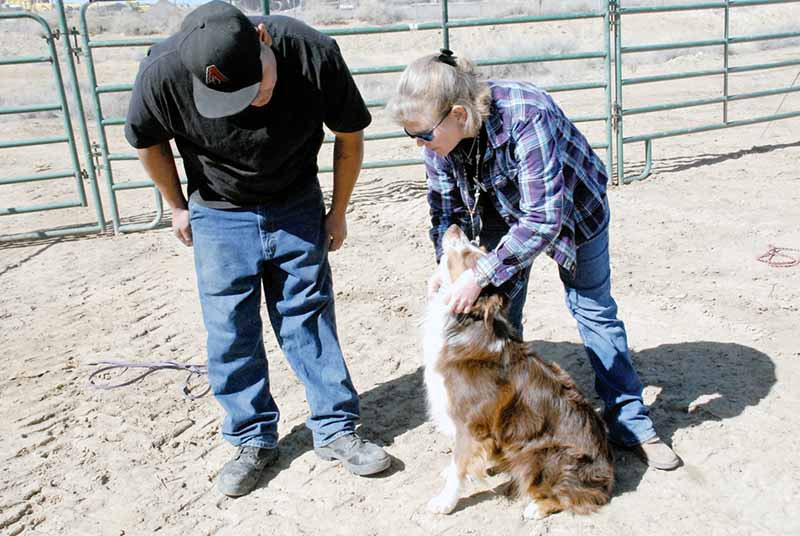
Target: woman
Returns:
[[506, 165]]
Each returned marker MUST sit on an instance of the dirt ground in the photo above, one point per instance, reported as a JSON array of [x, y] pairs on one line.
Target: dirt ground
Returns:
[[713, 334]]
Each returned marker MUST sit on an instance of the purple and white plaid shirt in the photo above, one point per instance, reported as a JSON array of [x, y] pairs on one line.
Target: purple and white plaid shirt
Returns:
[[542, 176]]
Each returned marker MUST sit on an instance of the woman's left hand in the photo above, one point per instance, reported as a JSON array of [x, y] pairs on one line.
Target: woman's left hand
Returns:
[[463, 293]]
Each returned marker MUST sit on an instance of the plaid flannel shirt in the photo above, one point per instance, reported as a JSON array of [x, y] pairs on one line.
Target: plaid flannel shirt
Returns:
[[542, 176]]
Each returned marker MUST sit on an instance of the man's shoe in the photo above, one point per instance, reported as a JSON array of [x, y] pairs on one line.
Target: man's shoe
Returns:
[[240, 475], [656, 453], [359, 456]]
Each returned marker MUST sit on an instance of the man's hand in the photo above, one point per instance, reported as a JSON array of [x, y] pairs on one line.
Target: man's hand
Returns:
[[335, 229], [159, 163], [181, 226], [463, 293], [348, 152]]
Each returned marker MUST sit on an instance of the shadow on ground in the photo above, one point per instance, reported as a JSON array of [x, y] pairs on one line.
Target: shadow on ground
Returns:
[[699, 381], [715, 380]]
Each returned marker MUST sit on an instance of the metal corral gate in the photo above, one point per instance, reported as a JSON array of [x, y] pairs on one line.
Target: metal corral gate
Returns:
[[61, 107], [612, 116], [621, 12], [444, 25]]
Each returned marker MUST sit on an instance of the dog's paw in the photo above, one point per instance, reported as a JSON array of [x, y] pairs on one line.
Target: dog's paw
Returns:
[[442, 504], [532, 512]]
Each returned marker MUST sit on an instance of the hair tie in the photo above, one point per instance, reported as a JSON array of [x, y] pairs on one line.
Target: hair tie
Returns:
[[447, 57]]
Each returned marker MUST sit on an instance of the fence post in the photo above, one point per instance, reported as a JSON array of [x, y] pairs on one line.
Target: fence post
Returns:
[[725, 60], [616, 19], [445, 27], [607, 22]]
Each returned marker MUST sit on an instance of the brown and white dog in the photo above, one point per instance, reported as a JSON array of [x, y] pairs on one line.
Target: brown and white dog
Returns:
[[507, 409]]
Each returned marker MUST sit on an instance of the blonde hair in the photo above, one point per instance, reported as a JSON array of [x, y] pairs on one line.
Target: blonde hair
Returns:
[[429, 87]]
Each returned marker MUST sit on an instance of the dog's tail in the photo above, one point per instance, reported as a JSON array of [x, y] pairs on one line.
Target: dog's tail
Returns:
[[587, 487], [563, 480]]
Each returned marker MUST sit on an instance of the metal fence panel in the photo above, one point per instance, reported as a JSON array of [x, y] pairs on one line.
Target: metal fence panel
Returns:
[[727, 6], [611, 112], [61, 107], [444, 25]]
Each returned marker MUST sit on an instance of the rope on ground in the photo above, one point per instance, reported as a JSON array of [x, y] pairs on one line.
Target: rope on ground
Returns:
[[779, 258], [194, 370]]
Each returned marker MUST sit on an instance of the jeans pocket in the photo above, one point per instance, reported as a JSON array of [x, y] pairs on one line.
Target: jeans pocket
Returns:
[[596, 246], [195, 209]]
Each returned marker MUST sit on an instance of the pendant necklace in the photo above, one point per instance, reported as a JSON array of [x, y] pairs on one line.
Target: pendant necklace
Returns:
[[474, 179]]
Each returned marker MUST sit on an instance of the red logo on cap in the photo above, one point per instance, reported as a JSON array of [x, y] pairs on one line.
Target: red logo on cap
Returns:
[[214, 76]]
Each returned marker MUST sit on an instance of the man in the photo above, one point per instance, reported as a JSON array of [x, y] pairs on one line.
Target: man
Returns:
[[245, 101]]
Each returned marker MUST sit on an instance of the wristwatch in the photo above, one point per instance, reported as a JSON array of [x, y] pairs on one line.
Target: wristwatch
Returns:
[[481, 278]]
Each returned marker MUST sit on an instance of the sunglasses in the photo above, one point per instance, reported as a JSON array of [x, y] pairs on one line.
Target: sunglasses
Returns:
[[427, 136]]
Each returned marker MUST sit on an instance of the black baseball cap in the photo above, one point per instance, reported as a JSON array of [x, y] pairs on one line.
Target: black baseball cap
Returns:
[[221, 49]]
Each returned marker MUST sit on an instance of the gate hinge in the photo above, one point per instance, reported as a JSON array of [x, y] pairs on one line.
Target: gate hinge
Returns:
[[96, 154], [76, 50], [613, 14]]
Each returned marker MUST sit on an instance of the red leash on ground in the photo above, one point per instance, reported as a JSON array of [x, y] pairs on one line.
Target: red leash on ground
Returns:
[[778, 258]]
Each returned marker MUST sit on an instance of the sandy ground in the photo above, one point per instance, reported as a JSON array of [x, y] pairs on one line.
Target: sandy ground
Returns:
[[713, 334]]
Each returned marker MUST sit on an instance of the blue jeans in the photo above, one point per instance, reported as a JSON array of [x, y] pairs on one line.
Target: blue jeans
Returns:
[[282, 248], [588, 298]]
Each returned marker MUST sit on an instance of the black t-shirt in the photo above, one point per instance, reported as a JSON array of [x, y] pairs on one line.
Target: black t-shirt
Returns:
[[261, 153]]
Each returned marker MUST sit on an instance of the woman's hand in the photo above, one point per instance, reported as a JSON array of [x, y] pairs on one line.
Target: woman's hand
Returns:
[[435, 282], [463, 293]]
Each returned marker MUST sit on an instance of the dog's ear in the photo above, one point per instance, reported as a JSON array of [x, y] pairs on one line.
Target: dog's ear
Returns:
[[504, 329], [483, 248], [496, 319]]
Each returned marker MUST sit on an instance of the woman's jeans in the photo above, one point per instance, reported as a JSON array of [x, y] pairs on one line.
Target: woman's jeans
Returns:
[[282, 248], [588, 298]]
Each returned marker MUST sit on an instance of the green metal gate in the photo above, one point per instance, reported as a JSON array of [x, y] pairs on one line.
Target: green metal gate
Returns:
[[108, 158], [610, 111], [61, 107], [727, 6], [445, 25], [102, 145]]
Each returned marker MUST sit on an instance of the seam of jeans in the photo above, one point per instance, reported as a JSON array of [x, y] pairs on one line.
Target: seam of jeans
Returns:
[[263, 234], [259, 443]]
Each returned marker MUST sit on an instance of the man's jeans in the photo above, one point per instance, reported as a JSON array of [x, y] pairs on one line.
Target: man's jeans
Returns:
[[588, 298], [282, 247]]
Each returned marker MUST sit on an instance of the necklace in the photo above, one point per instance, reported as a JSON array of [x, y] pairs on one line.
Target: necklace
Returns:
[[473, 178], [468, 156]]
